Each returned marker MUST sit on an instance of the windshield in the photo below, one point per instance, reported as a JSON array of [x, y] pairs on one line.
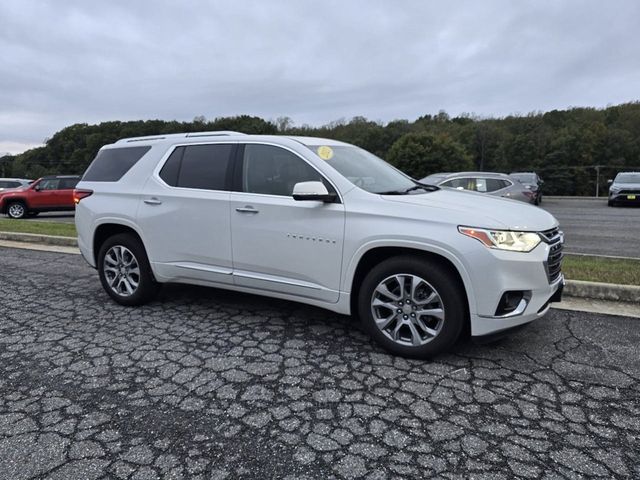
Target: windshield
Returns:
[[363, 168], [524, 177], [628, 178]]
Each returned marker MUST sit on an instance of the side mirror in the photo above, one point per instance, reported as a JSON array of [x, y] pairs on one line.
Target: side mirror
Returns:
[[312, 191], [37, 188], [609, 182]]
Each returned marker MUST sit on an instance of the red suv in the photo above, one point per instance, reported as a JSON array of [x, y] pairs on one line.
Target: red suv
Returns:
[[47, 194]]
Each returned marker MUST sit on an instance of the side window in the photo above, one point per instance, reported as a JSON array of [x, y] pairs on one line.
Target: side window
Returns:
[[460, 183], [204, 166], [112, 163], [171, 167], [494, 184], [68, 183], [49, 184], [274, 171]]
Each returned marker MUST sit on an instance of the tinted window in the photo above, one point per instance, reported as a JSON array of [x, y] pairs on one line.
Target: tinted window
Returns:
[[171, 168], [68, 183], [204, 166], [274, 171], [111, 164], [464, 183], [49, 184], [7, 184], [493, 184]]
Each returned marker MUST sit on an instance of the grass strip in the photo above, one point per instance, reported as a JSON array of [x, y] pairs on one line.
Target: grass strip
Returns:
[[40, 227], [600, 269]]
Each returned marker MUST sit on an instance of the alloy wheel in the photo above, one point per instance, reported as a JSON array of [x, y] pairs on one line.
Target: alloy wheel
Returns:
[[407, 309], [16, 210], [121, 271]]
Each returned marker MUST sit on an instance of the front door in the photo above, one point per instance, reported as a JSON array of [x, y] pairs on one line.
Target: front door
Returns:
[[45, 194], [184, 214], [280, 244]]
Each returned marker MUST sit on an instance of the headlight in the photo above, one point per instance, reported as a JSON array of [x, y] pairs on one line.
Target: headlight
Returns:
[[614, 190], [503, 239]]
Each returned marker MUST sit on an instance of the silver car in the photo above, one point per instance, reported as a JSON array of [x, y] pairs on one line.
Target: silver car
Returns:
[[9, 183], [497, 184]]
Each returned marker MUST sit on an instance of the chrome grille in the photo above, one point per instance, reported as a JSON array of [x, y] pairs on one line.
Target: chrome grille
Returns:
[[553, 265]]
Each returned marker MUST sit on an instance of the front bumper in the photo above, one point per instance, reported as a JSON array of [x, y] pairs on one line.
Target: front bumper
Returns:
[[626, 198]]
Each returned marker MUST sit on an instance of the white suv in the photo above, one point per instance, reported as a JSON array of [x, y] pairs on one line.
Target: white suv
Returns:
[[316, 221]]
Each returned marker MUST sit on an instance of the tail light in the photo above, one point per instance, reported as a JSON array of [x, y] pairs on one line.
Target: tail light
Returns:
[[79, 194]]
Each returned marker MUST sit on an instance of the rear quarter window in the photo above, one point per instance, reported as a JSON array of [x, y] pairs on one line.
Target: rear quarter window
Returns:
[[111, 164]]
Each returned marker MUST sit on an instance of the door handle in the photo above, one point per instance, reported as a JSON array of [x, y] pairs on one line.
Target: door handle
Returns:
[[247, 209], [152, 201]]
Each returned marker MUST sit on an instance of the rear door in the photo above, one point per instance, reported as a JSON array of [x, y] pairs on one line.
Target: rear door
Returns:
[[184, 214], [65, 193]]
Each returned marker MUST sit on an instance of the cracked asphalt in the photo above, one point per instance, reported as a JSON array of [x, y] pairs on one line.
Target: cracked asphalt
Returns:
[[207, 384]]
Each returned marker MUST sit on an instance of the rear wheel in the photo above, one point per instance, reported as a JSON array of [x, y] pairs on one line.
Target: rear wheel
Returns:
[[17, 210], [125, 272], [412, 307]]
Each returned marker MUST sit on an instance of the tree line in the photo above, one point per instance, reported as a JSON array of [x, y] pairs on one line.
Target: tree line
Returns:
[[563, 146]]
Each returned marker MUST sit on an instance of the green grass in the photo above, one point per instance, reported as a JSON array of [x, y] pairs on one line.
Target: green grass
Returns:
[[598, 269], [42, 228], [575, 267]]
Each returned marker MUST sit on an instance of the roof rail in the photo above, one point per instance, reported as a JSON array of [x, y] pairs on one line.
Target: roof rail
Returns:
[[219, 133]]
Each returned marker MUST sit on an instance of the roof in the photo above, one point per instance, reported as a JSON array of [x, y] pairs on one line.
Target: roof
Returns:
[[473, 174], [195, 136], [47, 177]]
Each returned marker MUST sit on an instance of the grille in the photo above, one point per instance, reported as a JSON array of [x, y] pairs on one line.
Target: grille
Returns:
[[553, 264], [632, 191]]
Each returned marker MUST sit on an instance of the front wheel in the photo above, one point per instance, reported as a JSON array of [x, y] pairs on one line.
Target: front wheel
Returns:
[[125, 272], [412, 307], [17, 210]]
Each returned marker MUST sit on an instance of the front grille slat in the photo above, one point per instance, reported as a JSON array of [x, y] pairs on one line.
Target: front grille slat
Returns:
[[553, 264]]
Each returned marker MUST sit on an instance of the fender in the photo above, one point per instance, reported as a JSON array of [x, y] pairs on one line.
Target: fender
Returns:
[[415, 245]]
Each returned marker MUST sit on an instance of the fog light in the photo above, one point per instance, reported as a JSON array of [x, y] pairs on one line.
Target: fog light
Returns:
[[513, 302]]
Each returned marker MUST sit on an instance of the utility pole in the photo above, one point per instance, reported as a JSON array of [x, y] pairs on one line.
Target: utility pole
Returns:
[[597, 180]]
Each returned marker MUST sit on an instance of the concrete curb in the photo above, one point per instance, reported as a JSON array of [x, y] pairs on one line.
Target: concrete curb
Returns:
[[41, 239], [602, 291]]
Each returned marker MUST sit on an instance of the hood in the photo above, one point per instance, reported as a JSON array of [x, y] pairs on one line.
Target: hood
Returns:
[[480, 210], [13, 190], [625, 186]]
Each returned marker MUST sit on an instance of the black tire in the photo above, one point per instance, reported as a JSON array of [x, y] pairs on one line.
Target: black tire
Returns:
[[17, 210], [147, 286], [611, 203], [538, 199], [443, 282]]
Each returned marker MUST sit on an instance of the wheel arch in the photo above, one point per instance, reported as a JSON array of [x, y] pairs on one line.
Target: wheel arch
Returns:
[[368, 257], [108, 229], [4, 208]]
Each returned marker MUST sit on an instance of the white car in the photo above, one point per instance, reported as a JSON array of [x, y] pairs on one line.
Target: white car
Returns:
[[320, 222]]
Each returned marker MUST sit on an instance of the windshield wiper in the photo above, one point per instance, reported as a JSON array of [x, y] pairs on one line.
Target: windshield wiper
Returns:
[[417, 186]]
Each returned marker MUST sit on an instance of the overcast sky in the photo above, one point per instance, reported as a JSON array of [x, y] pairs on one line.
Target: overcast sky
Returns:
[[66, 62]]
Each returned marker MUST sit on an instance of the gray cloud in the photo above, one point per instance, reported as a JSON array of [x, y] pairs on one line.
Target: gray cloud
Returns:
[[78, 61]]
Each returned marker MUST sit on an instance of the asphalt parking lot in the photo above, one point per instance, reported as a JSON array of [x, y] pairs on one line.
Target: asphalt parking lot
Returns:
[[207, 384], [590, 226]]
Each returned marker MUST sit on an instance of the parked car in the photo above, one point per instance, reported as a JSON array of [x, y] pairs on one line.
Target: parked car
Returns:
[[47, 194], [320, 222], [624, 189], [532, 181], [496, 184], [10, 183]]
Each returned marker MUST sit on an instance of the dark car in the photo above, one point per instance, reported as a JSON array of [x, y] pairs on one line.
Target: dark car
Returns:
[[624, 189], [531, 181], [47, 194]]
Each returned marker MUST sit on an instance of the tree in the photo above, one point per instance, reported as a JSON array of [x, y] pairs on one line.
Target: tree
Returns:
[[421, 154]]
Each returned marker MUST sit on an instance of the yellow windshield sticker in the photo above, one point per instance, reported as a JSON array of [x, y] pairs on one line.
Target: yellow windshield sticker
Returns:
[[325, 153]]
